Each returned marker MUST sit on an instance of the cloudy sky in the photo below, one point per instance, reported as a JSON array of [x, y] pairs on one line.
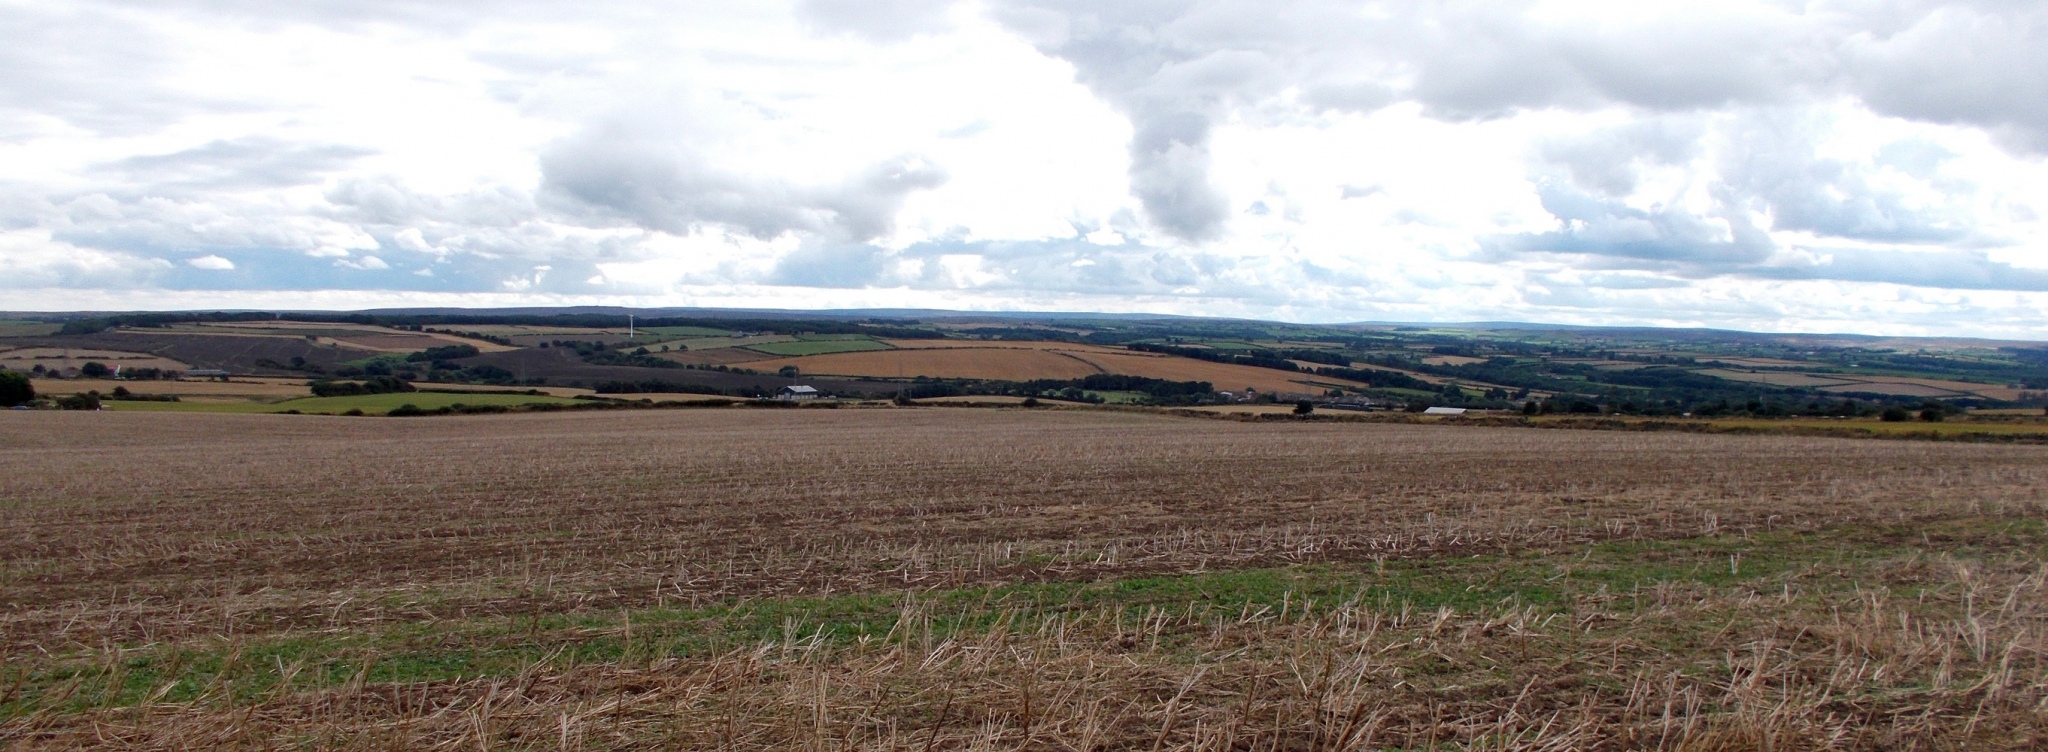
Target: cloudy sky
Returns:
[[1857, 165]]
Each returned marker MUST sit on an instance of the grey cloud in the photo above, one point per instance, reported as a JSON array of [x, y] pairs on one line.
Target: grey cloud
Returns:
[[92, 69], [1609, 160], [1960, 270], [1608, 234], [238, 164], [1984, 65], [1775, 162], [1176, 67], [649, 176], [1670, 238], [384, 202]]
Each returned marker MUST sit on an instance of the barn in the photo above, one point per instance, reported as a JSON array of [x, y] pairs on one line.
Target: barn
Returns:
[[798, 392]]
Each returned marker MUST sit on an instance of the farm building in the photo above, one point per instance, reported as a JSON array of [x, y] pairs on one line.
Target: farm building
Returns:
[[798, 392], [1444, 411]]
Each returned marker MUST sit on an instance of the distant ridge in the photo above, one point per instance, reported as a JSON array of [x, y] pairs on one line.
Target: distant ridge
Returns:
[[1056, 317]]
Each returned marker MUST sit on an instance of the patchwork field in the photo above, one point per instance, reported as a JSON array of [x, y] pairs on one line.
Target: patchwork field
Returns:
[[945, 578], [1894, 385], [1019, 364], [27, 358], [1776, 378], [374, 404], [244, 389], [819, 347], [989, 359], [1225, 376]]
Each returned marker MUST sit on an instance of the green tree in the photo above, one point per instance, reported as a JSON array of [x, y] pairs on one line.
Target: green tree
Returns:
[[94, 370], [1304, 407], [15, 388]]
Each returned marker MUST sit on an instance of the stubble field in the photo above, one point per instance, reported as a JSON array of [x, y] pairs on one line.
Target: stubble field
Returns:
[[946, 578]]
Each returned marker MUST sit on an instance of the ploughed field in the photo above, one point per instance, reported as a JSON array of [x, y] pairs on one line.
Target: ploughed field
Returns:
[[952, 578]]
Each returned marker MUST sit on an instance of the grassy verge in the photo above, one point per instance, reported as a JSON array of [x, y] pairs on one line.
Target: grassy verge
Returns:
[[1863, 634]]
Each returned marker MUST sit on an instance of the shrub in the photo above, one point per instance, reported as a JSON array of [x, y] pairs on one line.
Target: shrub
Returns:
[[1895, 415], [354, 412], [1932, 415], [15, 388], [95, 370], [406, 410], [79, 402], [450, 352], [1304, 407], [1030, 401]]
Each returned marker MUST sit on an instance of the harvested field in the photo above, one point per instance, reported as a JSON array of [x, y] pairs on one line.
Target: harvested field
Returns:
[[1776, 378], [1228, 377], [1022, 361], [1452, 360], [396, 343], [266, 389], [217, 349], [819, 347], [1011, 364], [999, 344], [722, 356], [950, 578], [27, 358], [1893, 388]]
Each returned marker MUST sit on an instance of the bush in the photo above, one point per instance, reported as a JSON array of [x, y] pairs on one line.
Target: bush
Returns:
[[79, 402], [406, 410], [1304, 407], [95, 370], [372, 385], [1895, 415], [354, 412], [1932, 415], [15, 388], [1030, 401], [450, 352]]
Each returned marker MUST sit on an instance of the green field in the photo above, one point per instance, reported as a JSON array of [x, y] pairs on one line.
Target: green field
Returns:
[[16, 328], [375, 404], [819, 346], [685, 331]]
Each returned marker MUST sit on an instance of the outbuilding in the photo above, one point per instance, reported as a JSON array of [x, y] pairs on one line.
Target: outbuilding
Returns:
[[1444, 411], [798, 392]]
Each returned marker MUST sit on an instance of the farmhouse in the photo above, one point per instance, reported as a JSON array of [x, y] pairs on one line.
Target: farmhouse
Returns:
[[798, 392]]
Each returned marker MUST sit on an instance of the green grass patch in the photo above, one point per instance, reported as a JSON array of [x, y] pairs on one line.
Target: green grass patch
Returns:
[[819, 347], [684, 331], [18, 328]]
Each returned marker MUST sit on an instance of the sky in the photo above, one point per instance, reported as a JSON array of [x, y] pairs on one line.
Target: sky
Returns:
[[1866, 166]]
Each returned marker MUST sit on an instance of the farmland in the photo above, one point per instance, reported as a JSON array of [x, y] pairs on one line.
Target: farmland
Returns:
[[1158, 362], [367, 403], [951, 578], [1039, 360]]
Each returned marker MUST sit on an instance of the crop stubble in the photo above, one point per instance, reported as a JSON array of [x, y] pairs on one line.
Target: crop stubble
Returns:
[[124, 529], [135, 517]]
